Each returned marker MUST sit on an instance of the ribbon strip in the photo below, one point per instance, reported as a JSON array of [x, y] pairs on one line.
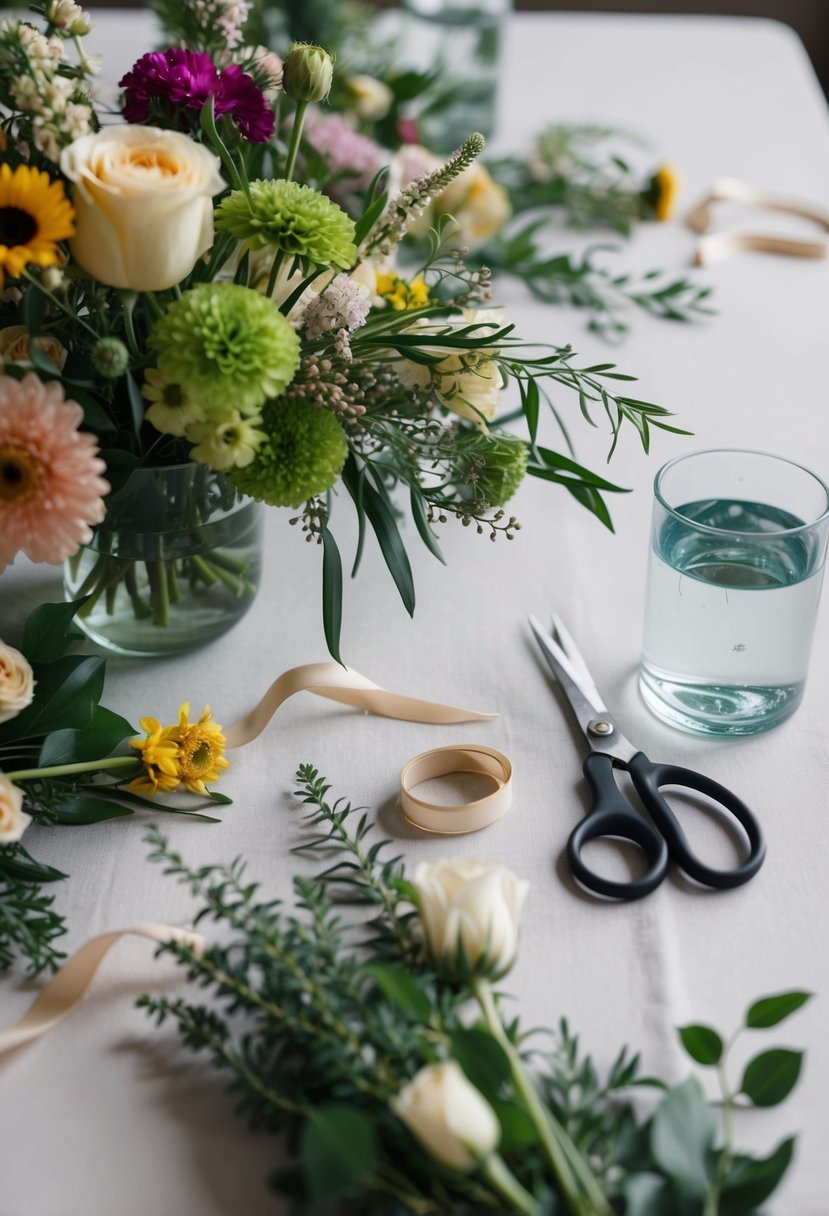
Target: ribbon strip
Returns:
[[470, 816], [721, 245], [337, 683], [65, 990]]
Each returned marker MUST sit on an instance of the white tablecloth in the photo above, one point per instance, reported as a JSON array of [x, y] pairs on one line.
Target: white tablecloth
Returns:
[[107, 1114]]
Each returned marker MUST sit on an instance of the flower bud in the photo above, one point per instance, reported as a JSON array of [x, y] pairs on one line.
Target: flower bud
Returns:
[[470, 912], [13, 819], [448, 1115], [504, 464], [110, 358], [16, 682], [307, 72]]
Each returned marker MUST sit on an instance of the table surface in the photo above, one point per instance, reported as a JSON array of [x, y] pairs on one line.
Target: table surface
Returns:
[[119, 1119]]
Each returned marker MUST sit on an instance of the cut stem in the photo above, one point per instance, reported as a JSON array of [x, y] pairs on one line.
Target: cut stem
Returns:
[[296, 135], [508, 1186], [64, 770]]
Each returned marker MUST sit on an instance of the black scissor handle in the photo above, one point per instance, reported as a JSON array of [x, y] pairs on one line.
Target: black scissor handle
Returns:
[[612, 816], [648, 778]]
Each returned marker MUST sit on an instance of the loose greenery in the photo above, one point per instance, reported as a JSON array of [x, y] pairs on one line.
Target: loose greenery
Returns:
[[320, 1015]]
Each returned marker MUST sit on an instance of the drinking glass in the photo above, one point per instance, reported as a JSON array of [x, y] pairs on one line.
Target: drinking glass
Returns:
[[738, 546]]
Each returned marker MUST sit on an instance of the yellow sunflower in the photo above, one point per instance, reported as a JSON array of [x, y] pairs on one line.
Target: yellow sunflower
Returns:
[[34, 215], [160, 757], [201, 750]]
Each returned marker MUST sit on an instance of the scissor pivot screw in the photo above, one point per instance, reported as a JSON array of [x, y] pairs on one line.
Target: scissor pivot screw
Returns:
[[600, 727]]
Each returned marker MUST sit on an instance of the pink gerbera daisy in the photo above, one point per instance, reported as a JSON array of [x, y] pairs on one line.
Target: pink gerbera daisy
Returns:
[[50, 474]]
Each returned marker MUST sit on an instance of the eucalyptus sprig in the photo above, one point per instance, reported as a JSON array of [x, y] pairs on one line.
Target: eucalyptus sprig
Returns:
[[326, 1023]]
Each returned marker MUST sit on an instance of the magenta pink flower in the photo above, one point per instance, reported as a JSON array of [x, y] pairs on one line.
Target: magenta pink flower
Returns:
[[51, 486], [167, 84]]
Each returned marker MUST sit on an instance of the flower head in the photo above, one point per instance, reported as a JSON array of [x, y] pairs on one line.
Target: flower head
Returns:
[[201, 749], [349, 156], [293, 219], [110, 358], [302, 454], [402, 294], [159, 754], [34, 215], [344, 304], [478, 205], [17, 683], [503, 465], [661, 193], [167, 83], [51, 486], [448, 1115], [225, 441], [16, 343], [13, 819], [307, 72], [221, 343], [171, 411]]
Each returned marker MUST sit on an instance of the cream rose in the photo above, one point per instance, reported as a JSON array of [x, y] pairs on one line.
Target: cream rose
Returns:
[[370, 98], [144, 214], [17, 683], [479, 206], [13, 819], [470, 905], [469, 383], [14, 346], [448, 1115]]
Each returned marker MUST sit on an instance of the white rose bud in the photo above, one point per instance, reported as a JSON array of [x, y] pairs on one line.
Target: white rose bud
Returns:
[[13, 819], [448, 1115], [143, 203], [17, 683], [473, 906], [371, 98]]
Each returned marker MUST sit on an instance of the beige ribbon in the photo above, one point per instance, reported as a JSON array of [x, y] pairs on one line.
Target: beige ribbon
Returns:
[[65, 990], [337, 683], [329, 680], [721, 245], [470, 816]]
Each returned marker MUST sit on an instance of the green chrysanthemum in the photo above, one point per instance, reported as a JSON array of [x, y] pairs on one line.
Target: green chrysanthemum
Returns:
[[295, 220], [227, 346], [303, 455], [504, 466]]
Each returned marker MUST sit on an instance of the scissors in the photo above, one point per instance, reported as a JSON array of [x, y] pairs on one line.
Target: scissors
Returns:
[[611, 815]]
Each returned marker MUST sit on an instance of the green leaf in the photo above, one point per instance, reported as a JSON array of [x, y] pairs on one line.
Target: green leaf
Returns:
[[66, 695], [379, 515], [400, 987], [76, 811], [17, 863], [136, 401], [751, 1180], [771, 1076], [702, 1044], [646, 1194], [482, 1059], [338, 1150], [159, 807], [422, 524], [34, 309], [332, 594], [517, 1128], [95, 742], [772, 1010], [530, 403], [682, 1137], [46, 634]]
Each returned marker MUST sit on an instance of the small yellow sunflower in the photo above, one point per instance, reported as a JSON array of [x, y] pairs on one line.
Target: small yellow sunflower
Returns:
[[34, 215], [160, 757], [201, 750]]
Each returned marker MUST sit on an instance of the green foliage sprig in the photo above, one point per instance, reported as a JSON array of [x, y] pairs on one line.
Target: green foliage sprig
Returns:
[[320, 1018]]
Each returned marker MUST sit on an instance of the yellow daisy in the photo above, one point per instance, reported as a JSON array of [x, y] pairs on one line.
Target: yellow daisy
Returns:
[[34, 215], [160, 757], [402, 294], [201, 750]]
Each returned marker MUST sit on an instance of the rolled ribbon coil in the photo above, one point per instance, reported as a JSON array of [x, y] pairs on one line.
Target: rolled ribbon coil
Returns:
[[470, 816]]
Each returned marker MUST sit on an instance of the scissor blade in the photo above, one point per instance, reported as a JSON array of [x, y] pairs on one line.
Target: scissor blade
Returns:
[[577, 661], [586, 702]]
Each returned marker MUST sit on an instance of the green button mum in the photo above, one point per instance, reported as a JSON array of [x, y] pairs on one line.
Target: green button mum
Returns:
[[227, 346], [294, 220], [303, 455], [504, 466]]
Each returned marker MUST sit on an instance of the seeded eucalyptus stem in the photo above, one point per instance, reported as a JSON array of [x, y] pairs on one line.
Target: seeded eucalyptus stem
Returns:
[[580, 1190]]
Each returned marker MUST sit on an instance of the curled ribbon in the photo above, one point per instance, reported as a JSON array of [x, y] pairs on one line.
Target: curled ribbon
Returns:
[[469, 816], [330, 680], [720, 245], [65, 990]]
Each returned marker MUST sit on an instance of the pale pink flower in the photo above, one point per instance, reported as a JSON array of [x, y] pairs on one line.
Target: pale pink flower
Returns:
[[50, 474]]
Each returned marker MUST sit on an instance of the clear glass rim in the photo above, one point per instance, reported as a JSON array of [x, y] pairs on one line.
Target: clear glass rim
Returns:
[[709, 528]]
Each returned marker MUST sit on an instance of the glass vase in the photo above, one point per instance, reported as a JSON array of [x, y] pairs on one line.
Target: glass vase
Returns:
[[175, 563]]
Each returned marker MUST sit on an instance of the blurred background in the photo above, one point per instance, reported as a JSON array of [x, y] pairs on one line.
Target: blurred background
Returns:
[[809, 18]]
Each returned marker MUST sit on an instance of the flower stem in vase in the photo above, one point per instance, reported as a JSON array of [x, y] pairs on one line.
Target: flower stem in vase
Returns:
[[159, 597]]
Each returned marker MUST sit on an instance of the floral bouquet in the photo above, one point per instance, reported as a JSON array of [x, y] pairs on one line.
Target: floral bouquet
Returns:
[[192, 324]]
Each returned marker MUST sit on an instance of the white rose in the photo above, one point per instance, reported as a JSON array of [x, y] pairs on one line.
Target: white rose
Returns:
[[13, 819], [17, 683], [448, 1115], [476, 904], [142, 197], [370, 98]]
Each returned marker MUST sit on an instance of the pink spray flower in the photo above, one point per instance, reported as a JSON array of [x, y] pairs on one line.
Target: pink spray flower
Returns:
[[51, 488]]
